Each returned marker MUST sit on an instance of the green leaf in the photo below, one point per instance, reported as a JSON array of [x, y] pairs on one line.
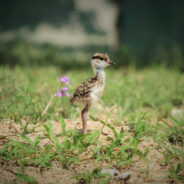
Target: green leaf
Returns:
[[168, 150], [109, 126], [24, 137], [178, 123], [93, 118], [178, 151], [26, 178]]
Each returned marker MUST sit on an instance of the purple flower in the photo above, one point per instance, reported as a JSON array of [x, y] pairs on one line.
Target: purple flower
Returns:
[[60, 94], [63, 90], [67, 94], [65, 80]]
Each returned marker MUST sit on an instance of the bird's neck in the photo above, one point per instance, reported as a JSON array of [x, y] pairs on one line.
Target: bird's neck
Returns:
[[101, 75]]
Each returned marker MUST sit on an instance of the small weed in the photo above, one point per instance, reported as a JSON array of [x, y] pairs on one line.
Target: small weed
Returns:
[[68, 152], [95, 175], [172, 154], [174, 134], [121, 150], [26, 178], [29, 153], [139, 124]]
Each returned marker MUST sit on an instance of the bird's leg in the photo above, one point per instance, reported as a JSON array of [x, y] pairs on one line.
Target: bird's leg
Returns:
[[84, 115]]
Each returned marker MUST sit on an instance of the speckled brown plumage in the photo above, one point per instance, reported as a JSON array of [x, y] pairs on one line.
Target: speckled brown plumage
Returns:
[[82, 93]]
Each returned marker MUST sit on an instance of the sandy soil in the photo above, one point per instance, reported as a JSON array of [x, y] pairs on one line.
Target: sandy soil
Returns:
[[157, 170]]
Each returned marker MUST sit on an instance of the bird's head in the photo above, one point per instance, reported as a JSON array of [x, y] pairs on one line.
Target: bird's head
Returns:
[[100, 61]]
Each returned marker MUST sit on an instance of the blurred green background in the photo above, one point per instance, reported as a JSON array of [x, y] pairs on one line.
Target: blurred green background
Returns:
[[67, 32]]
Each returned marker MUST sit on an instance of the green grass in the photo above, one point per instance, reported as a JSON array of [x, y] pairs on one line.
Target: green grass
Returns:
[[89, 177], [143, 98]]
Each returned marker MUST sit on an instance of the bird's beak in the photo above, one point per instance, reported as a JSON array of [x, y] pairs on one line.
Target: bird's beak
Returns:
[[112, 63]]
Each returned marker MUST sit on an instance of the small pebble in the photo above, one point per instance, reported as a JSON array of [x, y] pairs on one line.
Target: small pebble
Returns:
[[111, 172], [124, 176]]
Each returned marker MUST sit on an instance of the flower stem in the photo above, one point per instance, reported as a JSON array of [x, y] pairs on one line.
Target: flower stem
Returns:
[[46, 108]]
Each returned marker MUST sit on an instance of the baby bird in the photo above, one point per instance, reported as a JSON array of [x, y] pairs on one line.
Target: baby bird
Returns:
[[91, 89]]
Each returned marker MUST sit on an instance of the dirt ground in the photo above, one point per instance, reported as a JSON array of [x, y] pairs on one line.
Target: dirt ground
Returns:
[[157, 170]]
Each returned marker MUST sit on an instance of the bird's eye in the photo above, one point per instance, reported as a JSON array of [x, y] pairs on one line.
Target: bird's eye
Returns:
[[101, 59]]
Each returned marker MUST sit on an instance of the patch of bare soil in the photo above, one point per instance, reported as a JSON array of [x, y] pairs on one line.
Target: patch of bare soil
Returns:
[[56, 174]]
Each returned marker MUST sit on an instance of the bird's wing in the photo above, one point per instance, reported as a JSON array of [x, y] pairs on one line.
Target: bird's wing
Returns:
[[84, 89]]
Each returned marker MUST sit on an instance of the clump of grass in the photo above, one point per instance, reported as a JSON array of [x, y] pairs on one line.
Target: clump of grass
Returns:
[[174, 158], [29, 153], [140, 124], [69, 152], [121, 150], [173, 149], [174, 132], [25, 178]]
